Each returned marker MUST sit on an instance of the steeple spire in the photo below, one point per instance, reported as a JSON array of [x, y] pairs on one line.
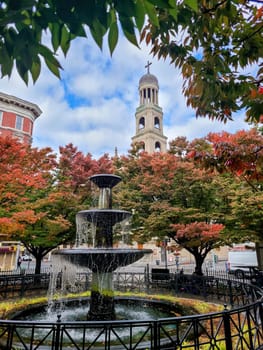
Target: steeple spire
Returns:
[[148, 67]]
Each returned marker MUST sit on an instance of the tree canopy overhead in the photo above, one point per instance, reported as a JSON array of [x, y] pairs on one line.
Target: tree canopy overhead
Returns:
[[212, 42]]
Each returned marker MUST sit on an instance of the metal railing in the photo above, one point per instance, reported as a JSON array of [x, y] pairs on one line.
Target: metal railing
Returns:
[[239, 327], [22, 284]]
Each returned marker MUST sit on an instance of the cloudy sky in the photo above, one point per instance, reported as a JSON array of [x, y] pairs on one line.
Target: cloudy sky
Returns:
[[93, 105]]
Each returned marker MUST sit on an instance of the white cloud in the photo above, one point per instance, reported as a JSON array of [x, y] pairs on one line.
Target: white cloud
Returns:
[[94, 104]]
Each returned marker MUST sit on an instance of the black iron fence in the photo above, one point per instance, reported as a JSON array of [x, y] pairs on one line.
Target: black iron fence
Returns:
[[21, 285], [238, 327], [230, 329], [233, 292]]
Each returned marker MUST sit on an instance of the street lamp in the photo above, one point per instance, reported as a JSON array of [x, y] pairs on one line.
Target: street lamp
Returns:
[[164, 250]]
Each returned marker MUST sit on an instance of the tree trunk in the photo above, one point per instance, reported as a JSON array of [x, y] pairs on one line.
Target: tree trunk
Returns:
[[198, 265], [38, 265]]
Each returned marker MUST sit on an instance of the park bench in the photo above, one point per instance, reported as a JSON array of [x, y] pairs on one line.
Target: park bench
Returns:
[[160, 276]]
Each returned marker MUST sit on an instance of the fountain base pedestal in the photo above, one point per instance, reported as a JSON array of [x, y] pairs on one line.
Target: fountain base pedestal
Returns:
[[101, 307], [102, 297]]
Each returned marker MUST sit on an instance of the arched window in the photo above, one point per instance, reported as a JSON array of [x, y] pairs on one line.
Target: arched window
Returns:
[[157, 146], [149, 95], [141, 123], [156, 123]]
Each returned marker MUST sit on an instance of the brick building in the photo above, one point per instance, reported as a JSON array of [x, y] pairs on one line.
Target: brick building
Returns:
[[17, 117]]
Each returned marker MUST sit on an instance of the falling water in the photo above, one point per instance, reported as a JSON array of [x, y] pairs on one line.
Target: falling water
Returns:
[[63, 280], [85, 232], [105, 199]]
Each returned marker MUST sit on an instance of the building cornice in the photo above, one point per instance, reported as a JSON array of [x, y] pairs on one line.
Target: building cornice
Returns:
[[150, 133], [12, 100], [149, 106]]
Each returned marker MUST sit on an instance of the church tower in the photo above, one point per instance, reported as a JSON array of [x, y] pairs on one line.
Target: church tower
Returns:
[[149, 116]]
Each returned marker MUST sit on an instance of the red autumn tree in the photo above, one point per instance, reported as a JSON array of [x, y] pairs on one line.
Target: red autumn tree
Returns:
[[27, 184], [239, 155], [24, 173], [198, 238], [75, 168]]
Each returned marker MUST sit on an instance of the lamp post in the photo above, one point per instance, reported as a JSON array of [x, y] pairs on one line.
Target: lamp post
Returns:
[[164, 250], [177, 261]]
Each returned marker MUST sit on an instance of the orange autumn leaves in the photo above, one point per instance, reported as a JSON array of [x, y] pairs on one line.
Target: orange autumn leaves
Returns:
[[197, 232]]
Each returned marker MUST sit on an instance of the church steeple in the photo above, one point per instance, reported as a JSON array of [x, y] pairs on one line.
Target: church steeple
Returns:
[[149, 116]]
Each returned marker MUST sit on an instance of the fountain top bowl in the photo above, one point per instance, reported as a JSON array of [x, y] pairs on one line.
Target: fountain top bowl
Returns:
[[105, 180]]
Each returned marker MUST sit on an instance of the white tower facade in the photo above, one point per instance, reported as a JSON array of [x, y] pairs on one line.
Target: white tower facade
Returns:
[[149, 116]]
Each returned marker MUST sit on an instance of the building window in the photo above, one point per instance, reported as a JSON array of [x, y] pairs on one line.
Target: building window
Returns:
[[1, 117], [156, 123], [141, 123], [19, 122], [157, 147]]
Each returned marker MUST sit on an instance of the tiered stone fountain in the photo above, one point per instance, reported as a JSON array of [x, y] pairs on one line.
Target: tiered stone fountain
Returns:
[[103, 259]]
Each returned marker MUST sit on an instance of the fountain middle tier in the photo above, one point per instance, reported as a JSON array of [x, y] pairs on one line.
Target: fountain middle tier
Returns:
[[102, 259], [104, 217]]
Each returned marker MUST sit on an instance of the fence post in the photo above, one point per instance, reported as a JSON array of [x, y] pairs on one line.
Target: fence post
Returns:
[[57, 334], [227, 328], [155, 335], [196, 333], [23, 286], [147, 277], [250, 332], [231, 299], [175, 282], [86, 281], [10, 334]]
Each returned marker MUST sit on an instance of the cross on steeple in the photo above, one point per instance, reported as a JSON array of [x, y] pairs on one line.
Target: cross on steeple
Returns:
[[148, 67]]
